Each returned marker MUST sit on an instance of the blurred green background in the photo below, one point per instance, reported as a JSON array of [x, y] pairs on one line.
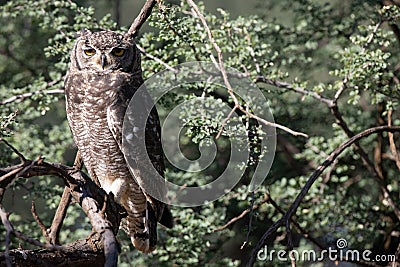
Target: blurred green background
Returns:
[[316, 47]]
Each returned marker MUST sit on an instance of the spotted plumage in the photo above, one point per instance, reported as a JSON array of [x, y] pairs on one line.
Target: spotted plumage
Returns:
[[104, 74]]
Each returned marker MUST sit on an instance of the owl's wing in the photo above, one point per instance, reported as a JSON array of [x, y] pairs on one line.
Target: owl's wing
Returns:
[[115, 116]]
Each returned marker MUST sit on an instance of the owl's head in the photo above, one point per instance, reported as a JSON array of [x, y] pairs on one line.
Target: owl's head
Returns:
[[105, 51]]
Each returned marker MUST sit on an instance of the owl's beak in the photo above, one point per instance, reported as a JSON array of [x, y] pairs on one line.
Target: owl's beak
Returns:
[[103, 61]]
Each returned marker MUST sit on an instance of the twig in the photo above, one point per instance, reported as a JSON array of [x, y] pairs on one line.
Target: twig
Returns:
[[339, 92], [250, 219], [22, 158], [286, 85], [21, 97], [271, 124], [156, 59], [246, 211], [37, 219], [11, 174], [217, 49], [225, 121], [226, 80], [328, 161], [117, 11], [78, 162], [290, 243], [10, 230], [141, 18]]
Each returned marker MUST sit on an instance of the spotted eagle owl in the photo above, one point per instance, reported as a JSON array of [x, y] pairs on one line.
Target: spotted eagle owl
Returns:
[[104, 74]]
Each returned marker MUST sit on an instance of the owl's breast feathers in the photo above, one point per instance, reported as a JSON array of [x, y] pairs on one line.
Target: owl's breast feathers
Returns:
[[96, 105], [88, 97]]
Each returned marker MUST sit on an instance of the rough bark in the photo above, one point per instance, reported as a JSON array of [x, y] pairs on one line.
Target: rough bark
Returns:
[[100, 248]]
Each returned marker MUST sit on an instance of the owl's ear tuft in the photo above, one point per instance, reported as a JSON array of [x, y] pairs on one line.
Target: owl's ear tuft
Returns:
[[84, 32]]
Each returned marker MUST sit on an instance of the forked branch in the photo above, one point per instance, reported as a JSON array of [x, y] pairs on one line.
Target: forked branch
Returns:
[[102, 243]]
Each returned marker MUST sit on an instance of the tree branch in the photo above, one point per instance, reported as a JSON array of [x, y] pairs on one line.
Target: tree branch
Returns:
[[38, 220], [366, 161], [54, 231], [24, 96], [141, 18], [224, 74], [282, 222], [156, 59], [101, 245], [78, 253], [286, 85]]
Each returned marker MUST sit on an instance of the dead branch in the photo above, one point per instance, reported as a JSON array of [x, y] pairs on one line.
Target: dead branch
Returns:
[[10, 230], [54, 232], [38, 220], [285, 219], [101, 246], [78, 253], [141, 18]]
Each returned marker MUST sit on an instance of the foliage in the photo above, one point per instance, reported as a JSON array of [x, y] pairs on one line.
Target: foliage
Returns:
[[344, 52]]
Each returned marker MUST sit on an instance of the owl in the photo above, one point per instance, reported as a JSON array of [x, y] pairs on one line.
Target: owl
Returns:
[[103, 75]]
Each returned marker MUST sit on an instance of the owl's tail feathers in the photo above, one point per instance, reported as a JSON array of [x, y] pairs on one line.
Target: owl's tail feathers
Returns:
[[146, 240], [166, 218]]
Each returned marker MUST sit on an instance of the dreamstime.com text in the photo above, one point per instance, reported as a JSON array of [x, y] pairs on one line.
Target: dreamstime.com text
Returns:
[[341, 253]]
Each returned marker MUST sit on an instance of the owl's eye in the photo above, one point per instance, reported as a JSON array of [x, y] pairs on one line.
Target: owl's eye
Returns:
[[119, 52], [89, 52]]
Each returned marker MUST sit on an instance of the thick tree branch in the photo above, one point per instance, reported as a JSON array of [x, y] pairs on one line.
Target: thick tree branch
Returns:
[[102, 242], [78, 253]]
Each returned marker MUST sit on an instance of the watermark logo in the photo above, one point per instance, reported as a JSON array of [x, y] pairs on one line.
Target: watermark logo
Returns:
[[206, 107], [340, 253], [341, 243]]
